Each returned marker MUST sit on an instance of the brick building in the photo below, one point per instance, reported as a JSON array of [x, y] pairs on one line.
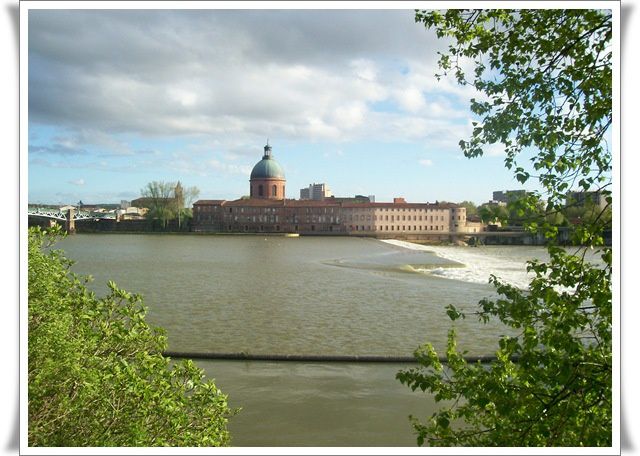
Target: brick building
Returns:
[[268, 211]]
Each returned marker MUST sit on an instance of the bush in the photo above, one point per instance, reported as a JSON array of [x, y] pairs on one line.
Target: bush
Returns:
[[96, 372]]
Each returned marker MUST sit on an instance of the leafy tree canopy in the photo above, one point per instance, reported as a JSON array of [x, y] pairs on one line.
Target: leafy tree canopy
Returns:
[[168, 201], [96, 372], [472, 210], [545, 81], [545, 78]]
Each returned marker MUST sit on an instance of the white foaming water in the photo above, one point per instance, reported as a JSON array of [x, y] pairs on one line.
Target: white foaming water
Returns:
[[478, 263]]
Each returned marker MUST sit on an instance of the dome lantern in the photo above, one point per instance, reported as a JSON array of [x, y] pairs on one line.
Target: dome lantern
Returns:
[[267, 150]]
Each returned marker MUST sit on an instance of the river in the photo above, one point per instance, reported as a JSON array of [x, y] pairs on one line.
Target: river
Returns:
[[307, 295]]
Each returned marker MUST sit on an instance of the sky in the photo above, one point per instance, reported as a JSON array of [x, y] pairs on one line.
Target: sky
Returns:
[[120, 98]]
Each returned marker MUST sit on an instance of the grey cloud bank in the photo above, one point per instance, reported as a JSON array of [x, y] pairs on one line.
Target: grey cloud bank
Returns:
[[297, 74]]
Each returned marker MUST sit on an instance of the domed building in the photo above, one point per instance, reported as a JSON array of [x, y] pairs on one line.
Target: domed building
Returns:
[[267, 211], [267, 178]]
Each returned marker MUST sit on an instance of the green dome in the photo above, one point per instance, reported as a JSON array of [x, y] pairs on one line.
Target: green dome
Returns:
[[267, 168]]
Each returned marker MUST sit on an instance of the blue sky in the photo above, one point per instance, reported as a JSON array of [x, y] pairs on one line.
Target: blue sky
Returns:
[[119, 98]]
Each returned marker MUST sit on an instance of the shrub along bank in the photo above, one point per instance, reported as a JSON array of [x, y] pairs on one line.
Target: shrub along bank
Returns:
[[96, 372]]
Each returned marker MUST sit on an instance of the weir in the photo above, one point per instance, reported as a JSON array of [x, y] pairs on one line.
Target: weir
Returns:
[[484, 359]]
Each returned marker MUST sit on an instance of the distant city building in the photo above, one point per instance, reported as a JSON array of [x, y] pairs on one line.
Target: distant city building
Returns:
[[372, 198], [506, 196], [316, 192], [124, 204], [131, 213], [580, 199], [267, 210]]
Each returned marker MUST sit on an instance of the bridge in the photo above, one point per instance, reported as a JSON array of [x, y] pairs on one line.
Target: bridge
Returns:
[[68, 216]]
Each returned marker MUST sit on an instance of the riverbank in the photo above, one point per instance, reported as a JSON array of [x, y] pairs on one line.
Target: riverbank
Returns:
[[505, 238]]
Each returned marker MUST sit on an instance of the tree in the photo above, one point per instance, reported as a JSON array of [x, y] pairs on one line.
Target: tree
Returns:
[[184, 198], [545, 80], [96, 374], [493, 213], [161, 201], [168, 201], [471, 208]]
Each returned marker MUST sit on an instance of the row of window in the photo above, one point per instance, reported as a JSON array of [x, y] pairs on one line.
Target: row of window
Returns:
[[262, 228], [396, 228], [276, 218], [321, 219], [395, 209], [207, 208], [261, 190], [396, 218], [272, 210], [324, 210]]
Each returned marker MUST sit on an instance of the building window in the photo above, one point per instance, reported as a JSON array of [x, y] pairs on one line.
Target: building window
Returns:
[[274, 191], [260, 190]]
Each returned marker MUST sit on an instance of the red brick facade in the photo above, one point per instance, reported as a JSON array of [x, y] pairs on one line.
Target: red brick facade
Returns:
[[306, 216]]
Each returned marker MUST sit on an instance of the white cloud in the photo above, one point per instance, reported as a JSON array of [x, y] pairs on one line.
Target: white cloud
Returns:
[[411, 99], [227, 80], [227, 168], [184, 97], [494, 150], [425, 162], [364, 69], [350, 115], [77, 182], [294, 74]]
